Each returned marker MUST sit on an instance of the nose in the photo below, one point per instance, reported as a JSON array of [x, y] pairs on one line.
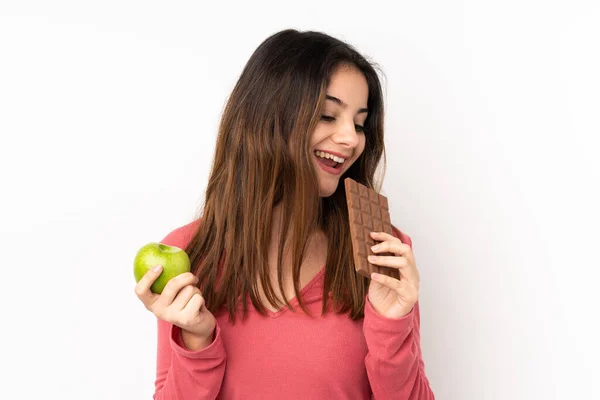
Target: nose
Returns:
[[346, 135]]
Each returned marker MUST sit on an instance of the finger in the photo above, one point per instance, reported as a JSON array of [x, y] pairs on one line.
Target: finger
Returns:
[[405, 290], [184, 296], [390, 244], [174, 286], [386, 281], [195, 304], [407, 271], [142, 289], [382, 236]]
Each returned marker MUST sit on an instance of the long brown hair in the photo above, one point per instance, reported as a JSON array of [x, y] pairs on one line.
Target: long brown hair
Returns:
[[263, 159]]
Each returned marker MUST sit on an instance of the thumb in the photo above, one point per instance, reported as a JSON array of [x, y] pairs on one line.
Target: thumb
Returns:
[[142, 289]]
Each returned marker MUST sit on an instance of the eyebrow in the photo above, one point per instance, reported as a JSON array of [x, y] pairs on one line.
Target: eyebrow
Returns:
[[341, 103]]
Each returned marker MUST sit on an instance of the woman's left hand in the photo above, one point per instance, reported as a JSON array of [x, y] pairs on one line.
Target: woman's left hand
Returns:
[[393, 298]]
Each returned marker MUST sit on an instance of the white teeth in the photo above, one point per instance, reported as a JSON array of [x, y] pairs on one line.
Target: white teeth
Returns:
[[322, 154]]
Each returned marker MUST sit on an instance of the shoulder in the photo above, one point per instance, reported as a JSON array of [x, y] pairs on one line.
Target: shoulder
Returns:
[[404, 238], [182, 235]]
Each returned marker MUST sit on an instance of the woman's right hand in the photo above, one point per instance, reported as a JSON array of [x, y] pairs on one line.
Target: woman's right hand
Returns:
[[180, 303]]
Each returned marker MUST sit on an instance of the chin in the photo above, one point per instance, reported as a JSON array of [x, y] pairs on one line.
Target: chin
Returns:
[[326, 191], [328, 184]]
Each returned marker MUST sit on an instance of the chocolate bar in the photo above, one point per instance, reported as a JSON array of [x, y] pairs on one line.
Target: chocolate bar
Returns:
[[368, 211]]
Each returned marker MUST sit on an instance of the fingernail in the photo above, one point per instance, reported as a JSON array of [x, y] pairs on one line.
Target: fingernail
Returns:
[[372, 258], [157, 268], [375, 248], [375, 276]]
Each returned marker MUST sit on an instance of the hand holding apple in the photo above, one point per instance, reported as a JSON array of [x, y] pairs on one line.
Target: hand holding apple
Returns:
[[174, 261], [180, 301]]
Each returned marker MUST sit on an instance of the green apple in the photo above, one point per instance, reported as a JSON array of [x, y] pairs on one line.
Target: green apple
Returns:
[[174, 261]]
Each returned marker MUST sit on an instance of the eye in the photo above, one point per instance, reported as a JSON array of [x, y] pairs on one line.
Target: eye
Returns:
[[358, 128]]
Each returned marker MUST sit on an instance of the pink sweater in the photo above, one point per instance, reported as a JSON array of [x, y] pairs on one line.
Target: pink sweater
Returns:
[[289, 355]]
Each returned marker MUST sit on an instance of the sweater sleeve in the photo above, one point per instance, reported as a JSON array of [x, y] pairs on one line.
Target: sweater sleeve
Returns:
[[394, 362], [182, 374]]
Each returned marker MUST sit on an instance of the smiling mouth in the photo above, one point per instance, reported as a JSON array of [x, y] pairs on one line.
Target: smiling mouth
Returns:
[[329, 162], [330, 166]]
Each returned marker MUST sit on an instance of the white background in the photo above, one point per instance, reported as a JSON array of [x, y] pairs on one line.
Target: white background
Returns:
[[108, 116]]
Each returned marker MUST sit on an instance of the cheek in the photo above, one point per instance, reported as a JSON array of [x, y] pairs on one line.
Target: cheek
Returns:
[[361, 146], [317, 136], [358, 152]]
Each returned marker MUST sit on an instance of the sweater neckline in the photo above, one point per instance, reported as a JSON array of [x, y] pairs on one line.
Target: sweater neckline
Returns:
[[294, 300]]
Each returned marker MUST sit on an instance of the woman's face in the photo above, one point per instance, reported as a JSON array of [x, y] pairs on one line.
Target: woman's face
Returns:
[[339, 132]]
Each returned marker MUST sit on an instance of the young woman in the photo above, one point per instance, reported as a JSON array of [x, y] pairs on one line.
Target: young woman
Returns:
[[273, 307]]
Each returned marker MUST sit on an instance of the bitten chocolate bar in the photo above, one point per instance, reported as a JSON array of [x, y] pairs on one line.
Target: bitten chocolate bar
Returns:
[[368, 211]]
